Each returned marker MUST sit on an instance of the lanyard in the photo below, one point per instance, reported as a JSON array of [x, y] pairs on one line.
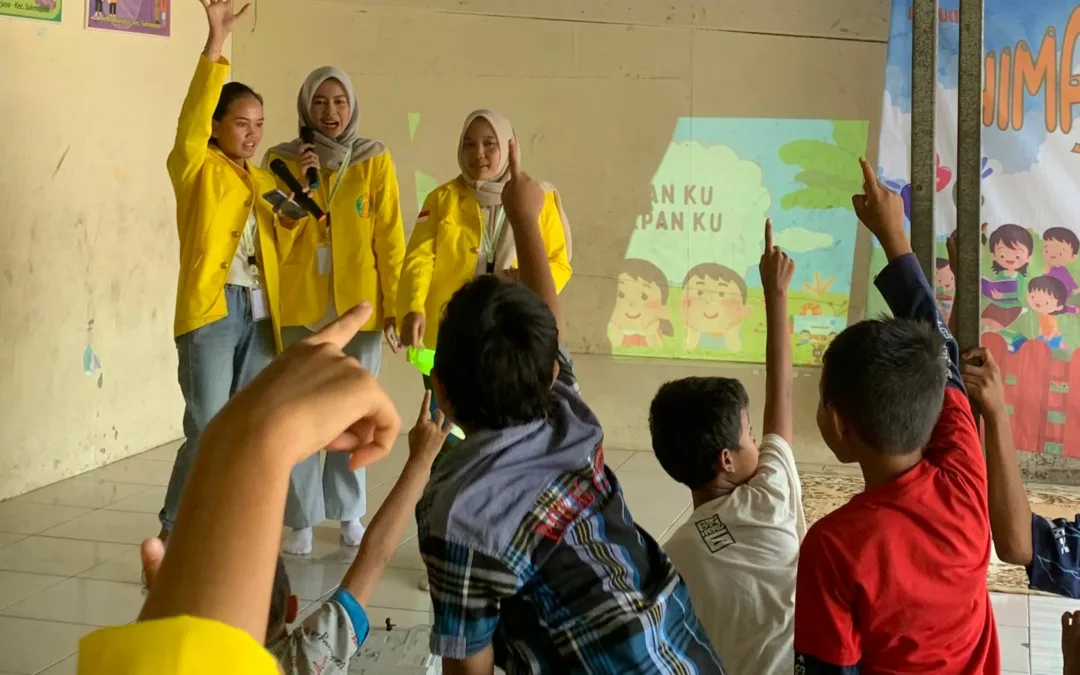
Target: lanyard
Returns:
[[341, 172], [490, 240], [247, 246]]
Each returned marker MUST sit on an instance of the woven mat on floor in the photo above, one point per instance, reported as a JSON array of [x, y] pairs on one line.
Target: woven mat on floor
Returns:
[[824, 492]]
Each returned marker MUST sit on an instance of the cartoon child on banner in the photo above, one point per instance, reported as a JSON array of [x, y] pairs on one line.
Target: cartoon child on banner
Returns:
[[713, 308], [641, 317], [1048, 295], [945, 287], [1060, 249], [1011, 247]]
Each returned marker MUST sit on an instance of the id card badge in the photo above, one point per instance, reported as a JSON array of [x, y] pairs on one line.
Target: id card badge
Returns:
[[326, 259], [259, 310]]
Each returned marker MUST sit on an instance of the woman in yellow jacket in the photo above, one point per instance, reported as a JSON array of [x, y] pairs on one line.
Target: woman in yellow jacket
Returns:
[[333, 265], [461, 231], [227, 318]]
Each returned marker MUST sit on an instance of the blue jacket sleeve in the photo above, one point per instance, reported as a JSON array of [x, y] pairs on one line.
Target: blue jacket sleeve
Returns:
[[1055, 559], [909, 296]]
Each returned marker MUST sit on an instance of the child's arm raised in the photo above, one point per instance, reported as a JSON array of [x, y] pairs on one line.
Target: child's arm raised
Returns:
[[384, 533], [902, 282], [222, 552], [523, 201], [776, 272]]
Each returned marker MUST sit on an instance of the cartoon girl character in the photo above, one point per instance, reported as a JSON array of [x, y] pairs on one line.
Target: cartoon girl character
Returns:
[[1047, 296], [1011, 247], [641, 317], [944, 287]]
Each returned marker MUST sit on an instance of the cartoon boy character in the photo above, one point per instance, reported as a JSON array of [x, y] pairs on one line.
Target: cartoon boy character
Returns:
[[1011, 247], [713, 308], [1060, 248], [804, 337], [944, 285], [1047, 296], [641, 317]]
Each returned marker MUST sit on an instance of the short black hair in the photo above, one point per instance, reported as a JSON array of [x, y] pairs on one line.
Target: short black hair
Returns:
[[498, 343], [232, 91], [886, 379], [1051, 286], [692, 420], [1063, 235], [279, 600]]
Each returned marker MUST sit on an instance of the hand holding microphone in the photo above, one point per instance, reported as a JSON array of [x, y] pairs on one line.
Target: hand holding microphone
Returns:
[[300, 195], [309, 160]]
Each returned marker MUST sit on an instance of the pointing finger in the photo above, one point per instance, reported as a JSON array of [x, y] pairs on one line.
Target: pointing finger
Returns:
[[768, 235], [425, 408], [870, 179], [515, 159], [345, 328]]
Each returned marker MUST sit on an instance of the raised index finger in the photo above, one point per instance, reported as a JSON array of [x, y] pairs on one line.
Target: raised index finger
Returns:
[[345, 328], [768, 235], [515, 159], [870, 179]]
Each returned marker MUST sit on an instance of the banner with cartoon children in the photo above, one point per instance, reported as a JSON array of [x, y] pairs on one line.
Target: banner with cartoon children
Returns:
[[1030, 315], [689, 287]]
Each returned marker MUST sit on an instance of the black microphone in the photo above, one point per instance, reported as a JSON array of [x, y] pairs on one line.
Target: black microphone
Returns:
[[307, 135], [281, 170]]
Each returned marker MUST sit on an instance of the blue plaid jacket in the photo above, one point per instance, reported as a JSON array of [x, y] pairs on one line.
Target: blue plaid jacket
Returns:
[[530, 548]]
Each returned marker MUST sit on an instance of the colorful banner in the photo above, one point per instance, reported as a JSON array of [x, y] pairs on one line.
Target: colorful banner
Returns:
[[689, 287], [148, 17], [1031, 85], [44, 10]]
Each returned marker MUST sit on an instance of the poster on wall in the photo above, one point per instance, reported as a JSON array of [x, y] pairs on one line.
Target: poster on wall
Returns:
[[147, 17], [1030, 314], [44, 10], [689, 286]]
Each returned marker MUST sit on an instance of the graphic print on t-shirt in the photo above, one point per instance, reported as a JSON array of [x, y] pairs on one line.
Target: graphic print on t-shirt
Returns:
[[714, 533]]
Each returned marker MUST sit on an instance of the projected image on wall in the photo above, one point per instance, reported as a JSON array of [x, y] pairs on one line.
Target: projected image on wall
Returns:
[[689, 287]]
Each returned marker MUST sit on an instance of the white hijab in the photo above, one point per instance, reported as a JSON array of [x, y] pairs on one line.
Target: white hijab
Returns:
[[489, 193]]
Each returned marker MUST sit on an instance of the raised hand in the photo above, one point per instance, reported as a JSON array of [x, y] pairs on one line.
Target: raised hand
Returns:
[[221, 17], [522, 197], [882, 212], [776, 267], [982, 377], [314, 396], [427, 436]]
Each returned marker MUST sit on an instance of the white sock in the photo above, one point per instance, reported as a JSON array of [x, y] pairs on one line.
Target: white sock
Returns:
[[352, 531], [298, 542]]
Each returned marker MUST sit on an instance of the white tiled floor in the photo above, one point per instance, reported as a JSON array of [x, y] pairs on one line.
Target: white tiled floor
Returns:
[[69, 562]]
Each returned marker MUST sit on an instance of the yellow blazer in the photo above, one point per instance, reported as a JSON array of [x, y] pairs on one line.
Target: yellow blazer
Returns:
[[214, 196], [366, 238], [444, 248]]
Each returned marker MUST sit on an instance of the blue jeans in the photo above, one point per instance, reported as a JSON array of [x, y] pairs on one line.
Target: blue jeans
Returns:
[[216, 361], [333, 491]]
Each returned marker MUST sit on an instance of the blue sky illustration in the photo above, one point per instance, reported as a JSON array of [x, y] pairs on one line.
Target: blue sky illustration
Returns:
[[1006, 23], [759, 141]]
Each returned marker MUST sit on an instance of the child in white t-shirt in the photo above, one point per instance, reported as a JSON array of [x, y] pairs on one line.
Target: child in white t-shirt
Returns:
[[740, 549]]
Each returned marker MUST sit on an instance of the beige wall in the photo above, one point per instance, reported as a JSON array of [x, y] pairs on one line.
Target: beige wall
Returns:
[[89, 244], [89, 255], [594, 90]]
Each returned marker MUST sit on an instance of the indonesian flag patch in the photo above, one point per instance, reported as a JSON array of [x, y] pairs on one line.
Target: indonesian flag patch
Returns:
[[423, 216]]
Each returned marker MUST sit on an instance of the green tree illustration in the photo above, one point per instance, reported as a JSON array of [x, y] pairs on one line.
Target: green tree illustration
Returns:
[[830, 172]]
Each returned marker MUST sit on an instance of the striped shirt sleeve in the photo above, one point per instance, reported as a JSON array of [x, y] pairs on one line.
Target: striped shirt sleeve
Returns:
[[467, 587]]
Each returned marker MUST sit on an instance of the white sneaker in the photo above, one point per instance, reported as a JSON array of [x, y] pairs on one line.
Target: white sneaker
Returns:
[[423, 584]]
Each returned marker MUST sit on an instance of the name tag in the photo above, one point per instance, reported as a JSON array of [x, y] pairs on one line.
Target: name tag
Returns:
[[325, 260], [259, 305]]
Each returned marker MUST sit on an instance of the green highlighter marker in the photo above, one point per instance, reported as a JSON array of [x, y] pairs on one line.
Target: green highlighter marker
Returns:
[[424, 360]]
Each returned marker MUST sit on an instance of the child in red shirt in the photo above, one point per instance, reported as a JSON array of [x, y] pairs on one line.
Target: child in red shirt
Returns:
[[894, 581]]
